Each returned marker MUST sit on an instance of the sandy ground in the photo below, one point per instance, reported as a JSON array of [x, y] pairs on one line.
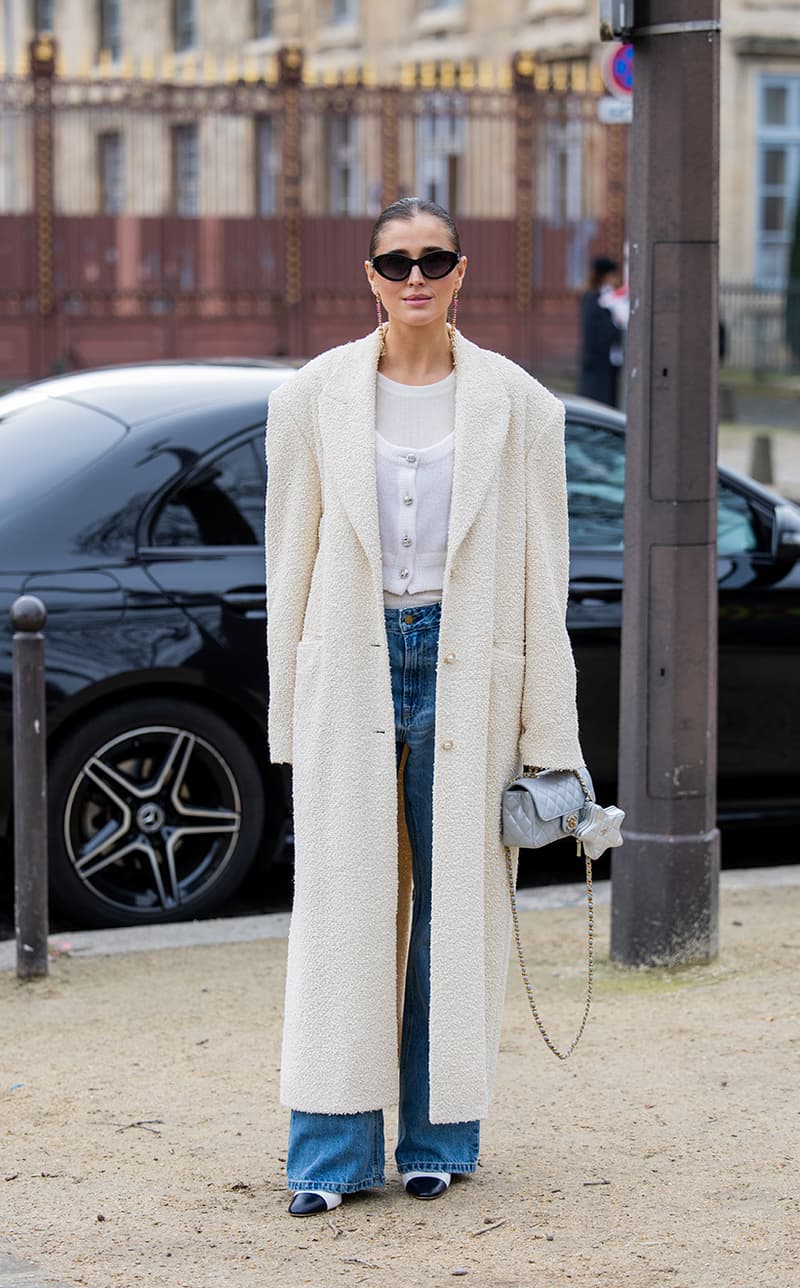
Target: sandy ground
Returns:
[[142, 1142]]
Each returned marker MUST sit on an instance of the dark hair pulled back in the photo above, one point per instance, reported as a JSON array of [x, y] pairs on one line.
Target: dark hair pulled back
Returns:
[[407, 208]]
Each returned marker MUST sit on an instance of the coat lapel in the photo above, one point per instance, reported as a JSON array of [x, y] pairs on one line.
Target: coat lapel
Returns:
[[481, 424], [347, 428]]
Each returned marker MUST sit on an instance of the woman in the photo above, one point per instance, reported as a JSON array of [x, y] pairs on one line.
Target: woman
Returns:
[[601, 336], [417, 572]]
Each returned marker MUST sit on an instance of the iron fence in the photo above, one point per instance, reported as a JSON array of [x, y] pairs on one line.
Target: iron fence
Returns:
[[146, 218], [758, 325]]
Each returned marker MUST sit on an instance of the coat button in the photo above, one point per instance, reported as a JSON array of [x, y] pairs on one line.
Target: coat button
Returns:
[[411, 458], [406, 541], [449, 657], [408, 500], [447, 745], [404, 573]]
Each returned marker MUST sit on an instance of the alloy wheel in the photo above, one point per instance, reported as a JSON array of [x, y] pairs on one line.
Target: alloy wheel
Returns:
[[152, 819]]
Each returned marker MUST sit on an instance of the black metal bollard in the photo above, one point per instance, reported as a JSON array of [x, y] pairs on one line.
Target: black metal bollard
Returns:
[[28, 616]]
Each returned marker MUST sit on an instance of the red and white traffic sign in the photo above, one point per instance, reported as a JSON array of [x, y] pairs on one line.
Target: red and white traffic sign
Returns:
[[617, 70]]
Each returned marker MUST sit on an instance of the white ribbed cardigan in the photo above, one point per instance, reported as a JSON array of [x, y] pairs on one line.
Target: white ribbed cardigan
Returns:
[[414, 449]]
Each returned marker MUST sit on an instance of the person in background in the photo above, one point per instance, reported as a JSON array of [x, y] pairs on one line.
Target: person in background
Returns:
[[602, 334]]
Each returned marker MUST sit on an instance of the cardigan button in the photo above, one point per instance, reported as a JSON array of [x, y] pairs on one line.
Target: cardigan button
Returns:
[[408, 500], [447, 745], [404, 573], [411, 458], [449, 657]]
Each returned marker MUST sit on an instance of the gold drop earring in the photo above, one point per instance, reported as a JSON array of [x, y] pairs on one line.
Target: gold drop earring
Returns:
[[451, 326], [381, 325]]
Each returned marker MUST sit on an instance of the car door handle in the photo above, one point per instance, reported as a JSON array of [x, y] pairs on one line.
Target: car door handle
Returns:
[[583, 591], [248, 601]]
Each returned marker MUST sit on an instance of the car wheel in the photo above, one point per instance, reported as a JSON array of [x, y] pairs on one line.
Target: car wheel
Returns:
[[156, 814]]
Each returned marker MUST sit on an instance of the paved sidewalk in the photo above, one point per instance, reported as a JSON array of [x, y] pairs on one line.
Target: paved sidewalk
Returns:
[[737, 446], [22, 1274]]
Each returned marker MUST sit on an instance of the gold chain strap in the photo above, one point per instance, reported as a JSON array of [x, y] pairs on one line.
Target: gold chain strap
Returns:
[[509, 872], [562, 1055], [533, 771]]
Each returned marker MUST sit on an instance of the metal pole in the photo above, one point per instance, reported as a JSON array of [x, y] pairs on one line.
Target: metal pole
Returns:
[[10, 139], [290, 69], [43, 63], [666, 876], [526, 110], [28, 617]]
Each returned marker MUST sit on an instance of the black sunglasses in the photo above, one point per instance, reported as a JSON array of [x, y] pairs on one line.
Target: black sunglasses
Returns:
[[396, 267]]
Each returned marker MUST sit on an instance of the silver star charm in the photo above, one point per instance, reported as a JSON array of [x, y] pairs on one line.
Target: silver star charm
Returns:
[[600, 829]]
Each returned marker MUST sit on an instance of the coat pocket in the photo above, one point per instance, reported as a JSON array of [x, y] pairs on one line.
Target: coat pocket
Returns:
[[308, 666], [507, 654], [505, 705], [311, 699], [308, 650]]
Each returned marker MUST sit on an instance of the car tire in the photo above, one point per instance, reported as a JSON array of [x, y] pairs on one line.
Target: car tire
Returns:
[[156, 813]]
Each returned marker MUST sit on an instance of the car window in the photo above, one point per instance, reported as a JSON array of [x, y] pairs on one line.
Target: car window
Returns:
[[596, 488], [736, 528], [45, 444], [220, 504]]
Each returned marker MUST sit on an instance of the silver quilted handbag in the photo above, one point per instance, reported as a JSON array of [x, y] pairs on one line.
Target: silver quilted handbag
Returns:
[[544, 805], [541, 806]]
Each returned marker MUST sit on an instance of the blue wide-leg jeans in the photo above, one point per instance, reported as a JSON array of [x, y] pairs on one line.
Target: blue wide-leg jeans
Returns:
[[345, 1152]]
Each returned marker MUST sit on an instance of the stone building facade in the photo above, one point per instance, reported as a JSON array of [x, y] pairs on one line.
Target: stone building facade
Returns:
[[382, 41]]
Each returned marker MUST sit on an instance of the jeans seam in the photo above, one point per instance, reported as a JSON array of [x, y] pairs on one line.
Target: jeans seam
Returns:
[[336, 1187], [437, 1165]]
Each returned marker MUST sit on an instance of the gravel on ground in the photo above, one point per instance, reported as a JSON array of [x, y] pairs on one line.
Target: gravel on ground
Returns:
[[142, 1141]]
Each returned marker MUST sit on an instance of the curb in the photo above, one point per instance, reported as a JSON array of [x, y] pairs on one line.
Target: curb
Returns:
[[275, 925], [23, 1274]]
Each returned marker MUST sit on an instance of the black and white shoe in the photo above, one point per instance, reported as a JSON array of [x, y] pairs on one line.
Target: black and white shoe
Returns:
[[308, 1202], [426, 1185]]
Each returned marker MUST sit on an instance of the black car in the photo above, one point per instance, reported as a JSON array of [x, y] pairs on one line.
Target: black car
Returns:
[[131, 503]]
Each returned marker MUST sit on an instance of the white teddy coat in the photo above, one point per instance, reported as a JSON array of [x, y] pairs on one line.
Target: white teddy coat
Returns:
[[506, 698]]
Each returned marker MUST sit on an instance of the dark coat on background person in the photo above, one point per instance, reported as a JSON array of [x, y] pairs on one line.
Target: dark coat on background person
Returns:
[[599, 376]]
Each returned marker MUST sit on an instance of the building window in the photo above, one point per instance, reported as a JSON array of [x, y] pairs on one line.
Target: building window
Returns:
[[112, 177], [344, 176], [440, 148], [111, 28], [267, 166], [186, 170], [344, 11], [43, 15], [184, 24], [778, 170], [263, 18], [562, 200], [561, 194]]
